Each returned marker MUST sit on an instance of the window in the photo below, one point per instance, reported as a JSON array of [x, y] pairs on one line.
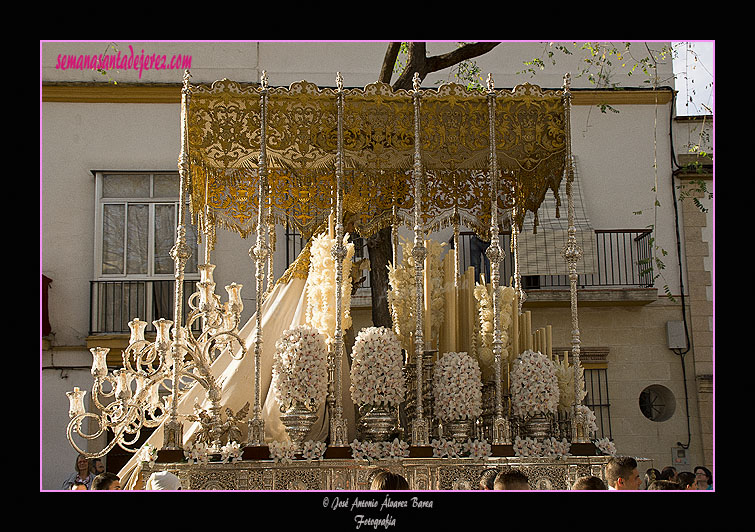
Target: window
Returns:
[[596, 385], [136, 216]]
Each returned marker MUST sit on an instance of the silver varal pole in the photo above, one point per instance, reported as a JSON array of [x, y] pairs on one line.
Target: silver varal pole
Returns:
[[572, 253], [180, 252], [258, 253], [501, 434], [420, 428], [338, 427]]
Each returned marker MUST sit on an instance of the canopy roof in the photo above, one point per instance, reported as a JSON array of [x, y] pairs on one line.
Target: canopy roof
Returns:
[[222, 123]]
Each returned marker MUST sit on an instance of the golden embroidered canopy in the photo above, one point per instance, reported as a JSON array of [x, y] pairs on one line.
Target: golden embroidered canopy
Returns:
[[223, 129]]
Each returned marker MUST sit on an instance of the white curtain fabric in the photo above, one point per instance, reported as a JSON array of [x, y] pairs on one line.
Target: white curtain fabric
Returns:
[[284, 308]]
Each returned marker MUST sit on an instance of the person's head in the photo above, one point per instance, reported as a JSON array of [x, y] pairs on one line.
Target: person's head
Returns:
[[703, 476], [651, 475], [106, 482], [668, 473], [511, 479], [163, 480], [82, 465], [686, 480], [487, 480], [78, 486], [589, 482], [97, 466], [664, 485], [622, 474], [385, 480]]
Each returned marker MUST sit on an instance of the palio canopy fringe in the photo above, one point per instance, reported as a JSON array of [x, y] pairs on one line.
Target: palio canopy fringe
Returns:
[[223, 122]]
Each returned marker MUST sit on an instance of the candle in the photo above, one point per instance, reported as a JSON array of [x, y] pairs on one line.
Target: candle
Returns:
[[76, 400], [549, 340], [137, 330], [331, 230], [99, 362], [234, 297]]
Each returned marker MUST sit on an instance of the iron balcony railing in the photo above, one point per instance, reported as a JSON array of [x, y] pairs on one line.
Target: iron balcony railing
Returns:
[[623, 259], [114, 303]]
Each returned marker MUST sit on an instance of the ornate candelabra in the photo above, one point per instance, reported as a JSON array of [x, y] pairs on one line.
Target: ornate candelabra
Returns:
[[129, 398]]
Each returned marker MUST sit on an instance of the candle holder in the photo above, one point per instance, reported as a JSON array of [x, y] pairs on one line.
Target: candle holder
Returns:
[[145, 391]]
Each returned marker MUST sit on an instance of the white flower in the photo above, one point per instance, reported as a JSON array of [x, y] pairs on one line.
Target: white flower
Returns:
[[313, 450], [282, 451], [197, 454], [484, 296], [149, 454], [321, 286], [533, 385], [457, 387], [231, 451], [300, 367], [403, 289], [606, 446], [478, 449], [377, 376], [589, 417]]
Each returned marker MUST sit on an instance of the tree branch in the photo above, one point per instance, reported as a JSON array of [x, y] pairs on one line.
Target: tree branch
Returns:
[[389, 62], [464, 52]]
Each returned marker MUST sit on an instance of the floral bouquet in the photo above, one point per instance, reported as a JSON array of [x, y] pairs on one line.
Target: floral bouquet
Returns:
[[377, 376], [321, 286], [457, 387], [534, 385], [403, 292], [300, 367], [549, 447], [565, 375], [484, 295]]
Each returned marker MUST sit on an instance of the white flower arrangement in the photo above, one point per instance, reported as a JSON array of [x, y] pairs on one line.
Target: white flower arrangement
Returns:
[[590, 419], [377, 376], [300, 367], [321, 286], [230, 452], [396, 449], [606, 446], [402, 296], [565, 375], [548, 447], [149, 454], [478, 449], [313, 450], [457, 387], [282, 451], [374, 451], [484, 295], [446, 448], [197, 454], [533, 385]]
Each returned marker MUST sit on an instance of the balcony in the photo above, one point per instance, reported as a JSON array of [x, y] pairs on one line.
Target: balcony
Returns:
[[623, 271], [114, 303]]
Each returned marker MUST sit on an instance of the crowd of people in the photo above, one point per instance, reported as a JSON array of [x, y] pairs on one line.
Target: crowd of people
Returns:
[[90, 475], [622, 473]]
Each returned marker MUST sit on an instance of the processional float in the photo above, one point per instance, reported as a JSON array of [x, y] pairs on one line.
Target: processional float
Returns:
[[253, 156]]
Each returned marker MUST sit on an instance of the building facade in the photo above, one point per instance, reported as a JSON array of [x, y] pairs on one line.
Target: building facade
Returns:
[[110, 140]]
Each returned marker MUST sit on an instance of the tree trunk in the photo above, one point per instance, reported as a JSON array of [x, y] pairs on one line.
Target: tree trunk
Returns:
[[379, 245]]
